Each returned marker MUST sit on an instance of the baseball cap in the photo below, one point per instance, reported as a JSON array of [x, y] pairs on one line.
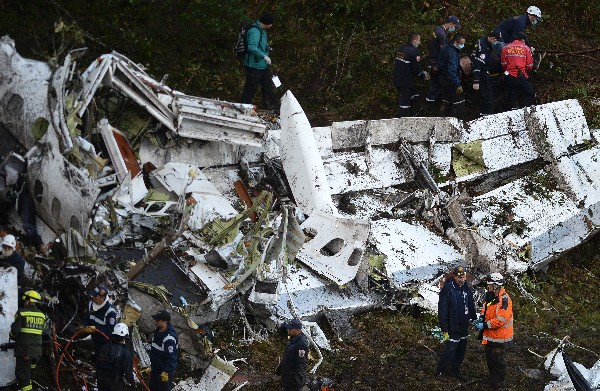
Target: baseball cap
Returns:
[[162, 315], [459, 271], [496, 34], [100, 290], [293, 324], [453, 19]]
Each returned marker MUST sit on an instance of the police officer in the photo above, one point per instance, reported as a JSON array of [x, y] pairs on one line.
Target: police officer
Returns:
[[517, 61], [10, 257], [406, 68], [295, 357], [497, 326], [100, 316], [26, 330], [510, 27], [114, 365], [449, 63], [487, 70], [163, 354], [436, 43], [455, 309]]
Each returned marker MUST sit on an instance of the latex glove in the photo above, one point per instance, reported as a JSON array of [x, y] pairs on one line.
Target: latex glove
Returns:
[[480, 326], [145, 370], [426, 75], [445, 336], [476, 86], [459, 90], [267, 59], [88, 329], [164, 377]]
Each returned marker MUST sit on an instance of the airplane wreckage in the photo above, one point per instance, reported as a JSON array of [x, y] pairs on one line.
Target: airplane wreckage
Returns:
[[267, 215]]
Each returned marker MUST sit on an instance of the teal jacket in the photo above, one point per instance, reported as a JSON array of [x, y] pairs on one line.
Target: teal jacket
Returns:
[[257, 47]]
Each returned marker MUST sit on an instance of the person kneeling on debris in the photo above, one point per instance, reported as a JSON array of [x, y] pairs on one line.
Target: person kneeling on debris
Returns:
[[456, 308], [27, 330], [101, 316], [114, 365], [292, 368], [163, 354], [497, 326]]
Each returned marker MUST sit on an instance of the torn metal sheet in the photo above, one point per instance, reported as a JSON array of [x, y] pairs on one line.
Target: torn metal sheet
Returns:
[[301, 159], [122, 156], [10, 170], [24, 88], [337, 249], [555, 363], [9, 305], [579, 176], [412, 252], [130, 192], [216, 376]]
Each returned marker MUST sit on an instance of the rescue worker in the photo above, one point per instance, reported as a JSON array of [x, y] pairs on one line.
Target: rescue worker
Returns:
[[258, 63], [510, 27], [452, 91], [516, 60], [456, 308], [406, 69], [101, 316], [114, 365], [292, 368], [487, 71], [11, 257], [497, 326], [163, 354], [436, 43], [27, 330]]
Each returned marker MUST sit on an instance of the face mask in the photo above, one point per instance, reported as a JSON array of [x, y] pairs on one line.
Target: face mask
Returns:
[[7, 252], [452, 29], [461, 45], [496, 43], [416, 44], [535, 21]]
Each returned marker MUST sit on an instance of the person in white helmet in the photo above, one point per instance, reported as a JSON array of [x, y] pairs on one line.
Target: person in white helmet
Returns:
[[114, 365], [11, 257], [517, 24]]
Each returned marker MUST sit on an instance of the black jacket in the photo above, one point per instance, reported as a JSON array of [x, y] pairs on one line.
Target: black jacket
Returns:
[[114, 361], [295, 362], [406, 66], [486, 59], [452, 304], [18, 262]]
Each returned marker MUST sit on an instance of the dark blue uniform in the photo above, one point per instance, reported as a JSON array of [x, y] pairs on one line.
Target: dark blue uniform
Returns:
[[437, 42], [449, 63], [511, 26], [406, 68], [104, 319], [18, 262], [455, 308], [114, 367], [294, 363], [486, 72], [163, 358]]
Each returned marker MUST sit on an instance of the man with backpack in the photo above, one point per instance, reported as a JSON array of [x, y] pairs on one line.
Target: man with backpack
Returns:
[[258, 63]]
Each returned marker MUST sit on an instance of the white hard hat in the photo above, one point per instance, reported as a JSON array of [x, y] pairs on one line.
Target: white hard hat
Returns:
[[121, 330], [535, 11], [10, 241], [495, 279]]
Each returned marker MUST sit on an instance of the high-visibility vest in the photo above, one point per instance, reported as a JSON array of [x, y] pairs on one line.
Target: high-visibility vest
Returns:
[[498, 319], [27, 331]]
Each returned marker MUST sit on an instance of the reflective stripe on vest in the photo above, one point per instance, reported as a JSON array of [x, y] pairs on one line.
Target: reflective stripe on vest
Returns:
[[33, 322], [507, 325], [162, 347], [102, 322]]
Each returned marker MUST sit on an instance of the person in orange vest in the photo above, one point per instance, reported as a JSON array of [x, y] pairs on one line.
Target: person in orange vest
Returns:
[[497, 326], [516, 60]]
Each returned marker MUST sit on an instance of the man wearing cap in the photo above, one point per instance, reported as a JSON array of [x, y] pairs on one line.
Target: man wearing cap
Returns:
[[455, 309], [487, 70], [292, 368], [101, 316], [438, 40], [258, 63], [163, 353], [453, 100], [510, 27], [11, 257], [497, 326], [517, 61]]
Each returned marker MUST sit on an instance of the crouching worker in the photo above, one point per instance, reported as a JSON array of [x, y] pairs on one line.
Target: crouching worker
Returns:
[[27, 330], [114, 365]]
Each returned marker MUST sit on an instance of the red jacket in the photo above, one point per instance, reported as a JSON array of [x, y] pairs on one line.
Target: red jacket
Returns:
[[516, 56]]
